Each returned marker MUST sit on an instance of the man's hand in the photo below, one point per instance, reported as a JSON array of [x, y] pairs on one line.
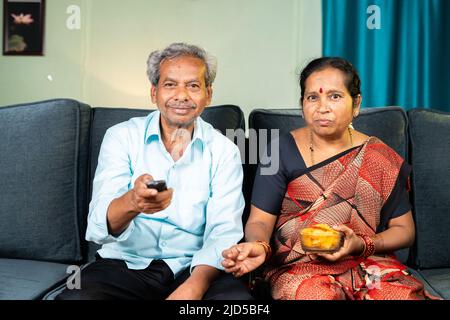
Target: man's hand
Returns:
[[243, 258], [139, 199], [148, 200]]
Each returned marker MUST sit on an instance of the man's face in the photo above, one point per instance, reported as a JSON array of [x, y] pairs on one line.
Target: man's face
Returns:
[[181, 94]]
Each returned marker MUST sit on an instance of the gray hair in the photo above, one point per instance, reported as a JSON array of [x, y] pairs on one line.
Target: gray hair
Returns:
[[176, 50]]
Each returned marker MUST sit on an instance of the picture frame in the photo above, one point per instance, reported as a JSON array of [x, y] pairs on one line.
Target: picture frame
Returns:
[[23, 27]]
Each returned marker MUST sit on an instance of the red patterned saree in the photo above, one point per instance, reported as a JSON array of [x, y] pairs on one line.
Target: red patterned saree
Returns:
[[350, 190]]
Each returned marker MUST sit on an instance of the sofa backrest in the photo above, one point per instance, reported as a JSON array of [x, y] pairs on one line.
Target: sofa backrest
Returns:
[[430, 157], [220, 117], [43, 168], [102, 119], [387, 123]]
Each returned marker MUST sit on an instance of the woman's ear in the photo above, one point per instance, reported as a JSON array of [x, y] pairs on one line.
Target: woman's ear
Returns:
[[357, 106]]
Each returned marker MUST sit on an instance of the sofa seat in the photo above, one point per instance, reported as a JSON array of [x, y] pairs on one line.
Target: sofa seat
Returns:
[[439, 279], [428, 286], [28, 279]]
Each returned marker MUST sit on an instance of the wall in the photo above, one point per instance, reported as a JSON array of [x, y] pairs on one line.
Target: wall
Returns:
[[260, 46], [25, 78]]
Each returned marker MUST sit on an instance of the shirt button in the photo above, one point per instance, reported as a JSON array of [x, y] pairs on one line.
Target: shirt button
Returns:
[[163, 243]]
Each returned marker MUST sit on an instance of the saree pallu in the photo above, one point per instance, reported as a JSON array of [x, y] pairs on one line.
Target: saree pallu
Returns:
[[348, 190]]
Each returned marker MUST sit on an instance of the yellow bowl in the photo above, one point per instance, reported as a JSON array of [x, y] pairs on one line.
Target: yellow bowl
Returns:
[[321, 238]]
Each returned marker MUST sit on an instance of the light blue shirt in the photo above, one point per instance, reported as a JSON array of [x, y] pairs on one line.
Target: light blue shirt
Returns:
[[204, 217]]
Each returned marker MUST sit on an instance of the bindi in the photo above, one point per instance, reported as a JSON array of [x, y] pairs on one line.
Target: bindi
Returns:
[[321, 90]]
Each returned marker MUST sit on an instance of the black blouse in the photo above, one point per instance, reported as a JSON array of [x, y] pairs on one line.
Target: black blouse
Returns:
[[269, 190]]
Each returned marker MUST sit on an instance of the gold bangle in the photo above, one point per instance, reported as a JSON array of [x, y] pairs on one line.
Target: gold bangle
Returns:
[[267, 249]]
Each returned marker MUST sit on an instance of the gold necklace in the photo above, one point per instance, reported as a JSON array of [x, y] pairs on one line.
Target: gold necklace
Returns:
[[311, 144]]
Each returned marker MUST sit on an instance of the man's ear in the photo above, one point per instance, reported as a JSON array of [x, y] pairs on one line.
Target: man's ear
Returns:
[[209, 92], [153, 94]]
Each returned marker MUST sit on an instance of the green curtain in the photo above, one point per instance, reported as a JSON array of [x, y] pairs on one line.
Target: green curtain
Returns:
[[401, 49]]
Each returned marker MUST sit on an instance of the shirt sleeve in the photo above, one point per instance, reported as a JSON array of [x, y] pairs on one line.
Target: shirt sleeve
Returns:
[[269, 189], [223, 211], [112, 179]]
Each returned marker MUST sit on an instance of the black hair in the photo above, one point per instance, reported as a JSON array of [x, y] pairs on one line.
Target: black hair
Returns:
[[352, 80]]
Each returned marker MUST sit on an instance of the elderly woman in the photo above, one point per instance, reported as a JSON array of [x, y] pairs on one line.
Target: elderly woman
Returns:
[[331, 174]]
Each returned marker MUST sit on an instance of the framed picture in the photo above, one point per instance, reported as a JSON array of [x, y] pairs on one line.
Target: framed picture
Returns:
[[23, 27]]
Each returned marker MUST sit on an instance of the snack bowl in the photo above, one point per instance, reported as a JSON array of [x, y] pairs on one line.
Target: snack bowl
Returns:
[[321, 238]]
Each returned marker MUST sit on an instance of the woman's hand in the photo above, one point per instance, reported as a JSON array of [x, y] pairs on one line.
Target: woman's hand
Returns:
[[243, 258], [353, 244]]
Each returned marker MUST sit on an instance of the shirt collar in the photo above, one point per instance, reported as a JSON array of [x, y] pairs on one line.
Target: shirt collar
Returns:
[[154, 130]]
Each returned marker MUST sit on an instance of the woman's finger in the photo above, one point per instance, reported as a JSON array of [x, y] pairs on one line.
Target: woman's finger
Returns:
[[227, 263], [245, 251], [231, 253], [343, 228], [234, 269], [239, 273]]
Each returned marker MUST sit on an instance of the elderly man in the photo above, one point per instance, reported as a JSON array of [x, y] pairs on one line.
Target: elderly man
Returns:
[[167, 243]]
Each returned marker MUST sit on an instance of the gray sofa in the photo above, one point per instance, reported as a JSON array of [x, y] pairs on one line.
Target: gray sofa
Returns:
[[48, 156]]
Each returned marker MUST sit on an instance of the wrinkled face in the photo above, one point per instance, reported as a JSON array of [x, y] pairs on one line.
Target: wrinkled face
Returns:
[[181, 94], [327, 105]]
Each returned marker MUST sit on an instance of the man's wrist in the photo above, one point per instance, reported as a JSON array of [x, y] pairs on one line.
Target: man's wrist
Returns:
[[130, 200]]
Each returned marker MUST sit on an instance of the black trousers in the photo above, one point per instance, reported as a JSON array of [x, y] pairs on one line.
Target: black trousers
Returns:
[[107, 279]]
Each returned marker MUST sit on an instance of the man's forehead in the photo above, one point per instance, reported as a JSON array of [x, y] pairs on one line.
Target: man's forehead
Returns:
[[183, 61], [182, 66]]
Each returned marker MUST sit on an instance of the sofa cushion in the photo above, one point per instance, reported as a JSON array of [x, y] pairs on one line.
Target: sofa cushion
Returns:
[[439, 279], [43, 169], [104, 118], [28, 279], [430, 158], [417, 274], [387, 123], [57, 289]]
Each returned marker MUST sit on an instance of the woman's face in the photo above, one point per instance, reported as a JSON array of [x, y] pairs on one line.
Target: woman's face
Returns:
[[327, 104]]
